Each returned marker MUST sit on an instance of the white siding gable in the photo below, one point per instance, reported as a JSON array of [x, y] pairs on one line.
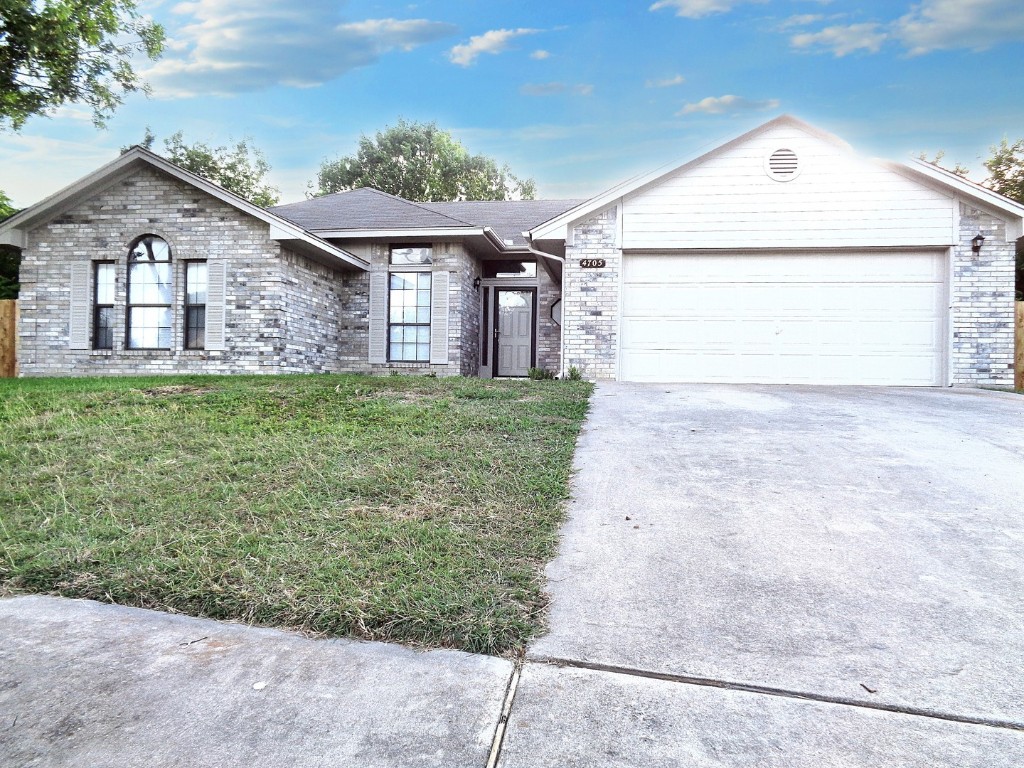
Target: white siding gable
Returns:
[[838, 200]]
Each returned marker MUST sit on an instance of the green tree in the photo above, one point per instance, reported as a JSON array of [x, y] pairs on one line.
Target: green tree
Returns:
[[1006, 176], [241, 169], [419, 161], [58, 51], [1006, 169], [10, 258]]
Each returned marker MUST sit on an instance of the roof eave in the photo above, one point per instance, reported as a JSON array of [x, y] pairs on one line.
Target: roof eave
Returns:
[[986, 198], [398, 232]]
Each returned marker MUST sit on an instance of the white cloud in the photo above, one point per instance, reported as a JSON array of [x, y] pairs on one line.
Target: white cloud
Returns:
[[540, 55], [695, 9], [719, 105], [493, 42], [231, 46], [666, 82], [37, 166], [843, 40], [552, 89], [71, 112], [976, 24], [929, 25], [801, 20]]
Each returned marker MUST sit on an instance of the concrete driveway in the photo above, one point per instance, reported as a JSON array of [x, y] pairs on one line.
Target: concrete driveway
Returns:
[[859, 548]]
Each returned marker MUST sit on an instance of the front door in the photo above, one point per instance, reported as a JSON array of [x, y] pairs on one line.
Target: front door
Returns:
[[514, 335]]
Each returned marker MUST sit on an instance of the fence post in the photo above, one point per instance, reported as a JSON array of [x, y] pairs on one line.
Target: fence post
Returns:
[[8, 338], [1018, 356]]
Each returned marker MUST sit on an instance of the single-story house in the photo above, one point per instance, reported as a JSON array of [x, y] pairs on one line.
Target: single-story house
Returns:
[[778, 257]]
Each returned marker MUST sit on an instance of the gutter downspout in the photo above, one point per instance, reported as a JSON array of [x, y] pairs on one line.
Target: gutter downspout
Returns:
[[561, 326]]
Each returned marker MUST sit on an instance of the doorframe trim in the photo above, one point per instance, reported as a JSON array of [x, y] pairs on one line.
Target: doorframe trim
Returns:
[[533, 326]]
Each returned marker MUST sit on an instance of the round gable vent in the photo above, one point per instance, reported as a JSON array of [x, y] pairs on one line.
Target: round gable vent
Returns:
[[783, 165]]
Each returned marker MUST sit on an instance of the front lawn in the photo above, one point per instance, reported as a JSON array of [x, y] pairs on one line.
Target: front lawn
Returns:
[[399, 508]]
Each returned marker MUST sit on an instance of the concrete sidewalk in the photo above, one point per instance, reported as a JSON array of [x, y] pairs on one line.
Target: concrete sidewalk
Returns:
[[97, 686], [91, 685]]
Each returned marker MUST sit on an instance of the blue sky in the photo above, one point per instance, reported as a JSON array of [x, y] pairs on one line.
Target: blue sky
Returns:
[[577, 95]]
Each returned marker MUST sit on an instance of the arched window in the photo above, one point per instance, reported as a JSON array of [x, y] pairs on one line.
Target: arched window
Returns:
[[150, 294]]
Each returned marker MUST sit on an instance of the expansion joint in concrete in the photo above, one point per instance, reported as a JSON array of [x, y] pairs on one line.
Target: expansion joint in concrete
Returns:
[[506, 710], [765, 690]]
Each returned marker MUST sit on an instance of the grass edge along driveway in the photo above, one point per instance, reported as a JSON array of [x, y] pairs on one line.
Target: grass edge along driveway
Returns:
[[407, 509]]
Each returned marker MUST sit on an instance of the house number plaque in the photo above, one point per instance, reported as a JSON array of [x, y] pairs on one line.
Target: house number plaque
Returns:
[[592, 263]]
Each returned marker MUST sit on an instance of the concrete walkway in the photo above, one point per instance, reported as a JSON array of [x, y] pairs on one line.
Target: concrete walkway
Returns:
[[750, 576]]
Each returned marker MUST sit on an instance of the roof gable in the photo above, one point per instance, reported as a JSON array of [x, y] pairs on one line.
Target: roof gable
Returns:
[[814, 140], [12, 230]]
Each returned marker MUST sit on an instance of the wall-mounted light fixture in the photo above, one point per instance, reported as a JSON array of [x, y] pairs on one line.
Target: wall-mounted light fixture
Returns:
[[476, 284], [976, 242]]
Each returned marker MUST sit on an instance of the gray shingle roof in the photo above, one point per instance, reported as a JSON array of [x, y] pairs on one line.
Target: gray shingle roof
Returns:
[[368, 208], [363, 209], [508, 218]]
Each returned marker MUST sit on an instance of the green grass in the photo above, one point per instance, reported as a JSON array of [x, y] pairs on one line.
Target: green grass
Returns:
[[398, 508]]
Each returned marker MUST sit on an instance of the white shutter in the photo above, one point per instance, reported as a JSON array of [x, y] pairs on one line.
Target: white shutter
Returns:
[[78, 325], [216, 304], [378, 317], [439, 319]]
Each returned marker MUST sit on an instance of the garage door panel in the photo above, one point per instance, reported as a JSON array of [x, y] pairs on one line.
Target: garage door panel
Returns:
[[765, 368], [899, 267], [844, 329]]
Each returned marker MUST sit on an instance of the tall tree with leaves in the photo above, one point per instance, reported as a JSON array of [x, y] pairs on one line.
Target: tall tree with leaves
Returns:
[[10, 258], [58, 51], [1006, 169], [241, 169], [1006, 176], [419, 161]]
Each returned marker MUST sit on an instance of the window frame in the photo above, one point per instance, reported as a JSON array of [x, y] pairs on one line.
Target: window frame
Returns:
[[129, 305], [412, 270], [392, 325], [97, 306], [186, 339]]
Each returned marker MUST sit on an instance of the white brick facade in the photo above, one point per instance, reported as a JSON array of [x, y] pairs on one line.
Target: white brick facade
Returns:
[[591, 313], [981, 302]]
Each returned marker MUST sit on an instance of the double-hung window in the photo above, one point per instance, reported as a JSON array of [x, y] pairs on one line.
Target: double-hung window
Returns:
[[150, 294], [409, 304], [103, 305], [195, 304]]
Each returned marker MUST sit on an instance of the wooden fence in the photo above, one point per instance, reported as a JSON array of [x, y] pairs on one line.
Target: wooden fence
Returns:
[[8, 346], [1018, 356]]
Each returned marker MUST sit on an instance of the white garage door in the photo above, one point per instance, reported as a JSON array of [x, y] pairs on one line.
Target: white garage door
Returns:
[[864, 318]]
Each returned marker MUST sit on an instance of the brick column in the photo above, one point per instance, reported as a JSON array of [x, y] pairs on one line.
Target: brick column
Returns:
[[590, 316], [982, 303]]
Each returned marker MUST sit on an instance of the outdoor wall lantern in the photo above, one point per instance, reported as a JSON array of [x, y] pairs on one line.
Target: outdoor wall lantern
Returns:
[[476, 282], [976, 242]]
